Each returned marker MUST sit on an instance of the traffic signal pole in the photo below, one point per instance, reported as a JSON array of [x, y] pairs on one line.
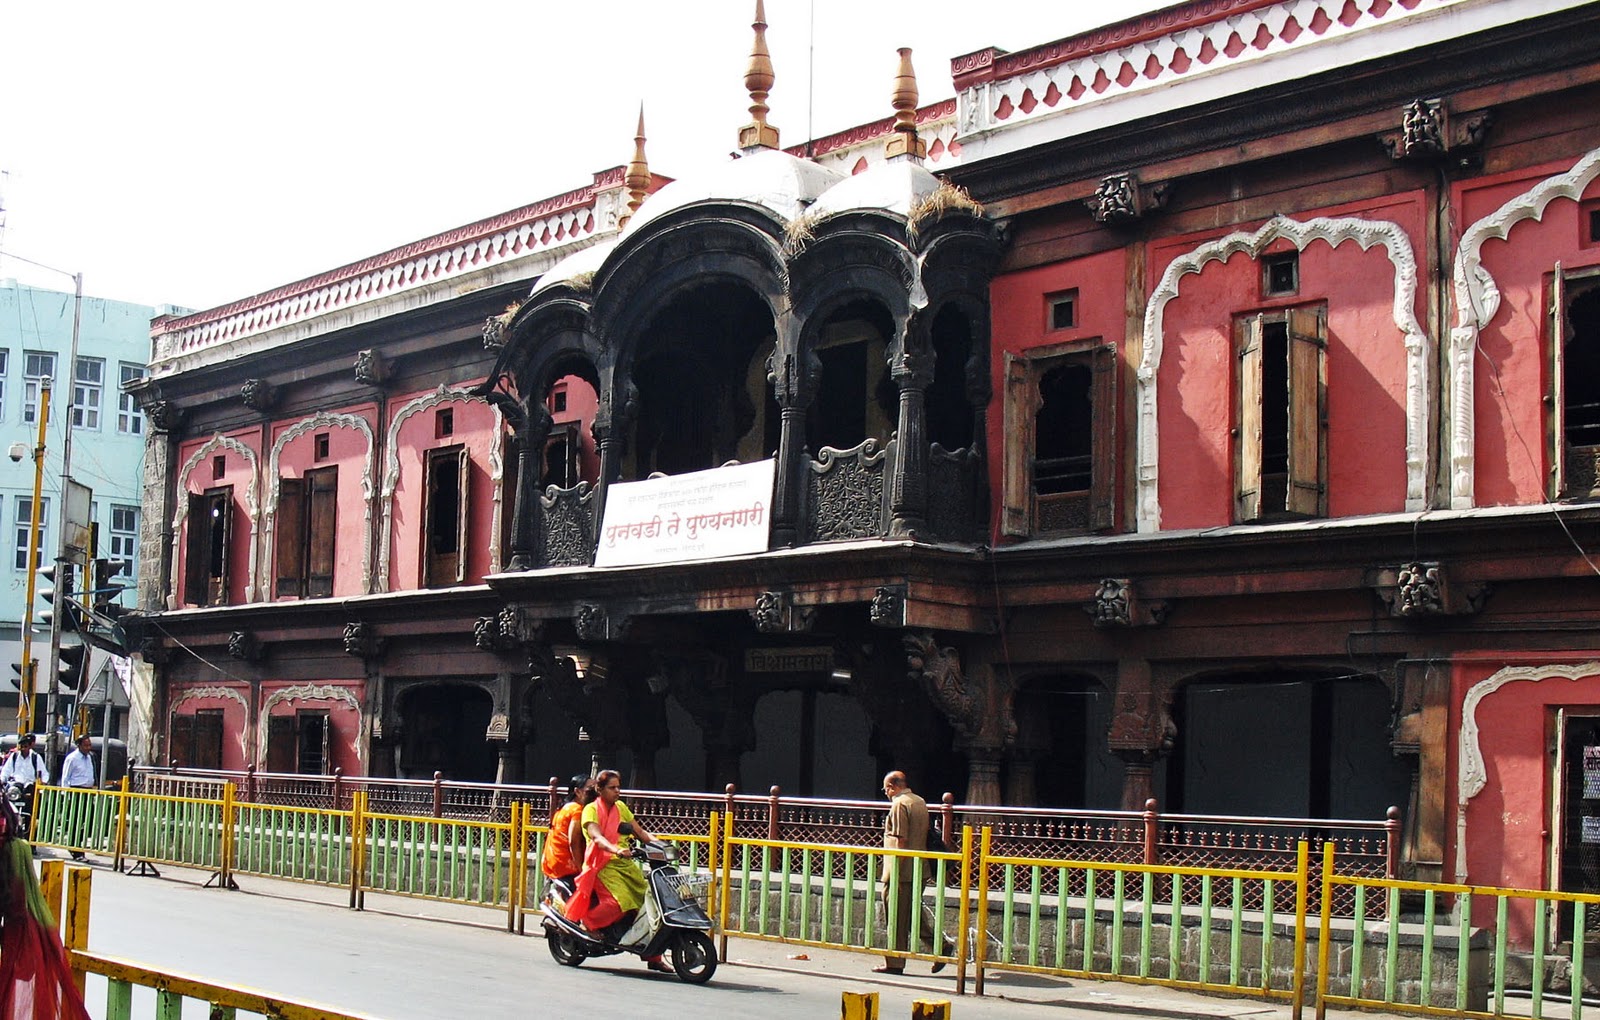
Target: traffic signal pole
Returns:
[[27, 680], [52, 752]]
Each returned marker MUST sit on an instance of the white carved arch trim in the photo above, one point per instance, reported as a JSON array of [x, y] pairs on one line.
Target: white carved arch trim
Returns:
[[321, 420], [224, 693], [309, 692], [1472, 773], [1300, 233], [391, 471], [251, 502], [1478, 299]]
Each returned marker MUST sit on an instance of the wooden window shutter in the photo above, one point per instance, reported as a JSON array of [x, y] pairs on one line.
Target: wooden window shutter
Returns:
[[196, 550], [463, 487], [1556, 398], [290, 537], [327, 739], [1247, 458], [1021, 406], [1103, 469], [281, 749], [205, 749], [180, 740], [322, 517], [1307, 409], [222, 535]]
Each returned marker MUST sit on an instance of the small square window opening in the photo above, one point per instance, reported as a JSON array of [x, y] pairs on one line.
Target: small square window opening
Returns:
[[320, 446], [219, 466], [444, 422], [558, 401], [1590, 218], [1281, 274], [1063, 309]]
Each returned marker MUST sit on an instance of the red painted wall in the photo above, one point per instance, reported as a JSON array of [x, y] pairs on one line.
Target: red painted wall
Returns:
[[348, 449], [237, 472], [1020, 320], [1507, 822], [583, 403], [1511, 366], [343, 718], [473, 427], [235, 719], [1366, 368]]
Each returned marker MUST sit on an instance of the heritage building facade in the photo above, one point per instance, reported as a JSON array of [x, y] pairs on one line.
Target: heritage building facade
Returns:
[[1198, 409]]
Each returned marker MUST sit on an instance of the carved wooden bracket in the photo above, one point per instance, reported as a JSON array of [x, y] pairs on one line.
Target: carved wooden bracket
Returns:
[[1120, 199], [164, 415], [245, 646], [776, 613], [1117, 604], [258, 394], [509, 628], [594, 622], [888, 607], [153, 651], [1428, 131], [1424, 588], [978, 708], [362, 640], [371, 368]]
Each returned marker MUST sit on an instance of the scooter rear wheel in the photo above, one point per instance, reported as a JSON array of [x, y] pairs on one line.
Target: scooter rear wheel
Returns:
[[563, 948], [694, 957]]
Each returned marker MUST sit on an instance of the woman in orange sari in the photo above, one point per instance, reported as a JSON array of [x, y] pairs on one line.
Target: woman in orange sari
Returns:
[[610, 885]]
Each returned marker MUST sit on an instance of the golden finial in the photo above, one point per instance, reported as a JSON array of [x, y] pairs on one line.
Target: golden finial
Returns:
[[758, 78], [637, 179], [905, 141]]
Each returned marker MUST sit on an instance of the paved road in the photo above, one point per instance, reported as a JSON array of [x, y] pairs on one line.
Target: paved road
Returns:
[[402, 959]]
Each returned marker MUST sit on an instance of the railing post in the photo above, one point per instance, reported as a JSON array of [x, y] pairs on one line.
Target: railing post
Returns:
[[1391, 835], [123, 800], [727, 801], [358, 843], [1151, 825], [338, 788], [250, 783], [551, 805], [75, 923], [947, 819], [225, 872], [772, 813], [438, 795]]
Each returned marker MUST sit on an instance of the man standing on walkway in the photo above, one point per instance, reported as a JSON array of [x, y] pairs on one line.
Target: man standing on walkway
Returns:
[[906, 828], [77, 773]]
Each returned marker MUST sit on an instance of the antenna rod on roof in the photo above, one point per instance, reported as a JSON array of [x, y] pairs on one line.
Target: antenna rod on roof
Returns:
[[811, 73]]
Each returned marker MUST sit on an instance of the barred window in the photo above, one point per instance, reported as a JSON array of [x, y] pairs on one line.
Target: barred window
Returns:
[[36, 367], [130, 420]]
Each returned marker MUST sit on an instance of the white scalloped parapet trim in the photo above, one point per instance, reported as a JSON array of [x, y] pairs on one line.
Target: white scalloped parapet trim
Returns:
[[1153, 63], [391, 471], [1300, 233], [473, 255], [308, 692], [1478, 299], [251, 502], [324, 419], [944, 151], [1472, 773]]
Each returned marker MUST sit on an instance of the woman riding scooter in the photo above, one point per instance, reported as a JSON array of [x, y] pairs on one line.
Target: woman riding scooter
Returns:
[[610, 887]]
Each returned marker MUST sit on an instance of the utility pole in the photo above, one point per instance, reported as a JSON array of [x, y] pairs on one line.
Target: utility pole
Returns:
[[27, 682], [52, 710]]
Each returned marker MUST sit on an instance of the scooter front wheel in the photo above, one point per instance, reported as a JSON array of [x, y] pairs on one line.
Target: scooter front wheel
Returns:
[[694, 956], [564, 949]]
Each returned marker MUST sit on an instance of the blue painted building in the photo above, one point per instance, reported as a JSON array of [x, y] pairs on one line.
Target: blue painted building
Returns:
[[107, 451]]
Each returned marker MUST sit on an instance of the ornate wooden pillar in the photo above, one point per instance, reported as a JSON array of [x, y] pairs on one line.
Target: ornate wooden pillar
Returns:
[[912, 370], [724, 712], [1142, 730], [978, 705], [530, 426], [793, 377], [619, 407]]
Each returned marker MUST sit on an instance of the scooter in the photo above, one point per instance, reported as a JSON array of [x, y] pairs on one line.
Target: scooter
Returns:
[[21, 797], [672, 920]]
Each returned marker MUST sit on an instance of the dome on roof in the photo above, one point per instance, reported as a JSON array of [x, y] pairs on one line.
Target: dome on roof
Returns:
[[585, 260], [785, 184], [895, 187]]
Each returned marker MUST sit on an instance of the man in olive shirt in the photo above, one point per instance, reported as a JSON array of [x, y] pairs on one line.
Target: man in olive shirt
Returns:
[[905, 828]]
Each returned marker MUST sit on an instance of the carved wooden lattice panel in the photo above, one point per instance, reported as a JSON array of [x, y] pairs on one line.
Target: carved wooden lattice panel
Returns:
[[844, 493], [952, 493], [569, 527]]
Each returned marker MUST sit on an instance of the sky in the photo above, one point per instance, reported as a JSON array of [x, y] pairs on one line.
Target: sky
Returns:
[[194, 153]]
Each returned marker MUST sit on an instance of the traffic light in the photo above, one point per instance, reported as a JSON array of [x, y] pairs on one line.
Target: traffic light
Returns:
[[69, 667], [20, 682], [106, 590], [72, 617]]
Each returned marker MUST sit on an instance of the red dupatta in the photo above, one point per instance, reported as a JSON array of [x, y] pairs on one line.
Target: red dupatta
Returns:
[[591, 891]]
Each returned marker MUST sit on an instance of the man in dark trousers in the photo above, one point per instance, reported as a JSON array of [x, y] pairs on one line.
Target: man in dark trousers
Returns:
[[905, 828]]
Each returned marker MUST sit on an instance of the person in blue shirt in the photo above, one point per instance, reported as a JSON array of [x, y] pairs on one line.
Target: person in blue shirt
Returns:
[[77, 772]]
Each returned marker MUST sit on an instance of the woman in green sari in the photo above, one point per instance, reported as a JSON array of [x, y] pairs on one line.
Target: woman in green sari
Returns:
[[610, 885]]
